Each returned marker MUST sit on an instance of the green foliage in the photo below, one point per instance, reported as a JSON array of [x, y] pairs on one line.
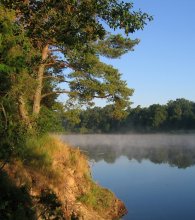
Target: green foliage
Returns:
[[114, 46], [82, 18], [97, 197], [16, 50], [49, 121], [181, 114], [17, 60], [12, 132], [176, 115], [94, 120], [157, 116], [76, 41], [35, 153]]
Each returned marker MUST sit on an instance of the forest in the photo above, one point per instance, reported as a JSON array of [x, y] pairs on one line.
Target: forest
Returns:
[[176, 116]]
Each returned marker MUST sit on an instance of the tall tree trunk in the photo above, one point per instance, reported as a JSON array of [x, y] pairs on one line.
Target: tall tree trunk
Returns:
[[23, 112], [40, 75]]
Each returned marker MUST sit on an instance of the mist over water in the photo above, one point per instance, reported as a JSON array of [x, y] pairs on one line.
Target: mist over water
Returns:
[[131, 140], [177, 150], [154, 174]]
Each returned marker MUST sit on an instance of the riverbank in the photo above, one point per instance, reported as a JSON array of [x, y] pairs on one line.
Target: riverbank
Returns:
[[58, 182]]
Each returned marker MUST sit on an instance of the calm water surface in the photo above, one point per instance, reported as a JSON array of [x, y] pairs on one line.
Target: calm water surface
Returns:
[[153, 174]]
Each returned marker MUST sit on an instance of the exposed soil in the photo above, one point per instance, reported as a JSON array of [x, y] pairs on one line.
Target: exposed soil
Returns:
[[70, 179]]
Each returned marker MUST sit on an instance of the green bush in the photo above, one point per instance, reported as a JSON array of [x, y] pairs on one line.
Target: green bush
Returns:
[[49, 121]]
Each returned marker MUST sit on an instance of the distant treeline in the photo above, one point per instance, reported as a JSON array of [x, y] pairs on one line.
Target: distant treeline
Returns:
[[178, 115]]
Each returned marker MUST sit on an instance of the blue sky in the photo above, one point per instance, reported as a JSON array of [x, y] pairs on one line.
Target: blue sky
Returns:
[[162, 67]]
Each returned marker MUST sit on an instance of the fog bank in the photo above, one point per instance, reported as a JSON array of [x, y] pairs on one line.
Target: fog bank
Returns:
[[130, 140]]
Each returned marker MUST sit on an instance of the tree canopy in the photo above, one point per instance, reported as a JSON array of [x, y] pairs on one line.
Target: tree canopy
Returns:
[[176, 115], [46, 43]]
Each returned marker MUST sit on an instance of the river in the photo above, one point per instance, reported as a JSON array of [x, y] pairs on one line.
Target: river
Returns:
[[154, 175]]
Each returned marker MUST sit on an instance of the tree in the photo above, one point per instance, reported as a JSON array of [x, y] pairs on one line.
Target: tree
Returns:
[[97, 120], [16, 59], [181, 114], [66, 39], [16, 62], [157, 116]]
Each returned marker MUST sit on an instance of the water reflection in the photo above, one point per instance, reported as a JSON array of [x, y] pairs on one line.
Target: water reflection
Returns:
[[176, 150], [144, 171]]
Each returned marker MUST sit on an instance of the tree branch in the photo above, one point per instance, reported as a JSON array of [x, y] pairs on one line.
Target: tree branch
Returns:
[[2, 166], [5, 116], [59, 78], [60, 64], [55, 92], [57, 50], [50, 64], [102, 97]]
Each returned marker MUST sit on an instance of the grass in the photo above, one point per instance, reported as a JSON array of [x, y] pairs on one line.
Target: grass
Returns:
[[42, 153], [37, 152], [47, 163], [97, 197]]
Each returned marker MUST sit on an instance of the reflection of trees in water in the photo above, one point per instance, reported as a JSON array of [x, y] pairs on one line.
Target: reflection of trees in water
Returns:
[[181, 157], [175, 149]]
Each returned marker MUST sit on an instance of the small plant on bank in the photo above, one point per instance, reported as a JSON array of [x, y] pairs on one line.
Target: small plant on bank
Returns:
[[98, 198]]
